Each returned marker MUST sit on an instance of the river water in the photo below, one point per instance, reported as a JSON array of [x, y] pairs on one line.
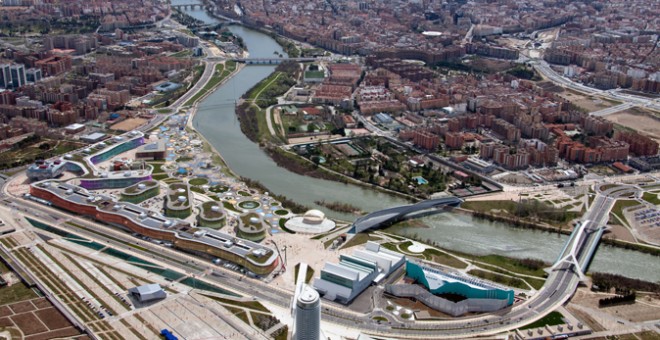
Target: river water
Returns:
[[216, 120]]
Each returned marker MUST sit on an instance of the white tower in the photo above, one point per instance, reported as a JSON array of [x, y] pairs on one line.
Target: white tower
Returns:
[[308, 315]]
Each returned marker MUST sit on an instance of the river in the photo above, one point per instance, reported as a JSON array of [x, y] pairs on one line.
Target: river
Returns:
[[217, 121]]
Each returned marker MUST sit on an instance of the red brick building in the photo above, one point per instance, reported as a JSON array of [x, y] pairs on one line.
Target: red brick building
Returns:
[[426, 140], [639, 145], [454, 140]]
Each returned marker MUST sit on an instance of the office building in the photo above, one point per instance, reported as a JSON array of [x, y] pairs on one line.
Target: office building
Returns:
[[5, 76], [307, 325], [33, 75], [17, 76]]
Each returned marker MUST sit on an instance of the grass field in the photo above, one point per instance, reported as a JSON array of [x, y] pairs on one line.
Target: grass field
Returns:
[[509, 264], [622, 204], [218, 76], [358, 239], [15, 293], [554, 318], [443, 258], [505, 280], [308, 275], [651, 198]]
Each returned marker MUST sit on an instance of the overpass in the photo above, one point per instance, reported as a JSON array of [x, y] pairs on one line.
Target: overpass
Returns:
[[391, 215], [271, 61]]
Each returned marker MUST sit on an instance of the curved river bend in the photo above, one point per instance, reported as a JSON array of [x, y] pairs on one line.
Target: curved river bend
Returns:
[[216, 120]]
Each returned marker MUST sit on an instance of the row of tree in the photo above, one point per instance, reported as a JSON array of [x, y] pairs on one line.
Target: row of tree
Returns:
[[617, 300], [606, 281]]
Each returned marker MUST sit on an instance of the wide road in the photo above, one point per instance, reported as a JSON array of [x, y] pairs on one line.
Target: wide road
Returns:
[[544, 68]]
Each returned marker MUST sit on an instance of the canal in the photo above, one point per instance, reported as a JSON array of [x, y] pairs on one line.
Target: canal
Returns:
[[216, 120]]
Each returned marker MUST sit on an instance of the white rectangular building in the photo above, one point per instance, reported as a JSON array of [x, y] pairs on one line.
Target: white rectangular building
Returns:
[[344, 281]]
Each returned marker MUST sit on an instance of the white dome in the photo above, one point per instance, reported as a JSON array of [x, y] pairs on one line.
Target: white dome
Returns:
[[313, 217], [314, 213]]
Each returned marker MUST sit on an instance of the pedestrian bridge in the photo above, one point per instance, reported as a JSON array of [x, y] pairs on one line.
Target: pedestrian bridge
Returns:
[[390, 215]]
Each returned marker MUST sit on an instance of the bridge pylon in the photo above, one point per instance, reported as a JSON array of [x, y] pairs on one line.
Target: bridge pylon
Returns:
[[571, 257]]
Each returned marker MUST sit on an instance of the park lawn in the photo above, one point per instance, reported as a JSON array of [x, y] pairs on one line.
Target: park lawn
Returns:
[[552, 319], [218, 76], [182, 54], [487, 206], [198, 181], [509, 264], [256, 305], [308, 275], [256, 91], [358, 239], [651, 198], [514, 282], [158, 166], [617, 210], [443, 258]]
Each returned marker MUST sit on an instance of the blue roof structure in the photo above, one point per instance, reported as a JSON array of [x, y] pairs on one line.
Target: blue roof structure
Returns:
[[439, 282]]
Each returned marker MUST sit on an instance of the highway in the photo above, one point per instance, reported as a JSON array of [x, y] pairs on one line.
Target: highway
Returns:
[[628, 100], [559, 287]]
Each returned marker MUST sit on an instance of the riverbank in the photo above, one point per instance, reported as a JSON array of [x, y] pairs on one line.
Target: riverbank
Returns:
[[340, 207], [515, 222], [526, 224], [193, 111], [303, 166]]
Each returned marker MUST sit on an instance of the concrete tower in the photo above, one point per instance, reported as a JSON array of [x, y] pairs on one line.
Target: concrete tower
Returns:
[[307, 315]]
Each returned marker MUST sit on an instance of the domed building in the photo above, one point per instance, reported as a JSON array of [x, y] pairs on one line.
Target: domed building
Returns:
[[311, 222], [314, 217]]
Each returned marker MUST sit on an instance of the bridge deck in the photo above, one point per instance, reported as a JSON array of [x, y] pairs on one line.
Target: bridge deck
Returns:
[[381, 217]]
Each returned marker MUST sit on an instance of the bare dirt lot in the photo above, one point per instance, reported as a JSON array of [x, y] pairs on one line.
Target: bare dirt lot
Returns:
[[620, 232], [638, 120], [37, 319], [29, 323], [588, 103], [129, 124], [644, 309], [22, 307], [52, 318]]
